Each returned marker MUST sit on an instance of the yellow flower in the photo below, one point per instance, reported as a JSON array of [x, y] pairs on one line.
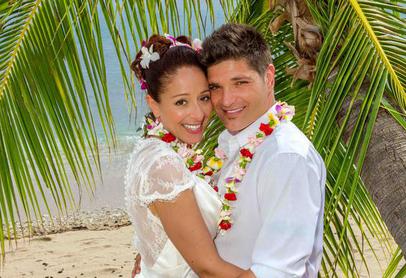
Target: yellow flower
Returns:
[[273, 121], [215, 163]]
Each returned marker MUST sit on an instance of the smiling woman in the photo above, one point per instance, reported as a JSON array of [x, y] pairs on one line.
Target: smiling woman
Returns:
[[175, 81], [175, 238]]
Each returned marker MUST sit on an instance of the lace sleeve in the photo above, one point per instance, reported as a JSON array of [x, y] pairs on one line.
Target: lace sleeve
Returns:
[[164, 176]]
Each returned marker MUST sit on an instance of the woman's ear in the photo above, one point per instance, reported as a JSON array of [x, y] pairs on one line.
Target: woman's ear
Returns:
[[153, 105]]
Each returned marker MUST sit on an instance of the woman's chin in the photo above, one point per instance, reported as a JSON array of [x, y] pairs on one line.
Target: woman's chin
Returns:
[[191, 139]]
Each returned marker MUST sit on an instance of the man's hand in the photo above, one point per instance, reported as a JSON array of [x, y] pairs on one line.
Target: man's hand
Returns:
[[137, 266]]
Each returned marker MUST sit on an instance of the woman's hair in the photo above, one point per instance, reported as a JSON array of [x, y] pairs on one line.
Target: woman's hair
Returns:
[[173, 54]]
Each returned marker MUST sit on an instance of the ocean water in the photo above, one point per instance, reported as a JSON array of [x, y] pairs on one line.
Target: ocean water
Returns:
[[109, 190]]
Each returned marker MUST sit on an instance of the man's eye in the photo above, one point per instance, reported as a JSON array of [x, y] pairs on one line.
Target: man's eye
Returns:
[[180, 102], [213, 87], [241, 82]]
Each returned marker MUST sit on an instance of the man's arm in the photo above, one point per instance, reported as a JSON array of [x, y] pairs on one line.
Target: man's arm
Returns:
[[290, 202]]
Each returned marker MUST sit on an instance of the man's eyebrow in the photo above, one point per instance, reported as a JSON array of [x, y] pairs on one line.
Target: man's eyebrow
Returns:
[[241, 77]]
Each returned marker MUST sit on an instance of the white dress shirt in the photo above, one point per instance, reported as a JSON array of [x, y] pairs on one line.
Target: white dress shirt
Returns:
[[278, 216]]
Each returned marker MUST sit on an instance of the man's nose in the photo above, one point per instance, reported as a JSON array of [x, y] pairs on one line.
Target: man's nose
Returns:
[[228, 97]]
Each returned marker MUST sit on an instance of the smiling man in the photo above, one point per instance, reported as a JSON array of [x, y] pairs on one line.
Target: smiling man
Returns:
[[272, 182]]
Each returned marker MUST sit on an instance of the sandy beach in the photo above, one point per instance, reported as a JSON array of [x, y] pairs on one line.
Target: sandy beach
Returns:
[[82, 253], [97, 245]]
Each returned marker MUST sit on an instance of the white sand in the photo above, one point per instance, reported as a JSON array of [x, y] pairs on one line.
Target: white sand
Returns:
[[105, 253]]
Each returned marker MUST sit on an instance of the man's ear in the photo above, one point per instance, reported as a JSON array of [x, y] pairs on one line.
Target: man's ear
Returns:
[[270, 76], [153, 105]]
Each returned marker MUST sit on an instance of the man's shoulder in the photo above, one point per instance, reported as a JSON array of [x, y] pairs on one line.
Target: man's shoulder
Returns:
[[287, 138]]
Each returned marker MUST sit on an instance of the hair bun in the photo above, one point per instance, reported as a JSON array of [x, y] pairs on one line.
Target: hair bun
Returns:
[[184, 39]]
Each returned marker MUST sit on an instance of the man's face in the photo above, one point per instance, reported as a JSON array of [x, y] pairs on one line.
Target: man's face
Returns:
[[240, 95]]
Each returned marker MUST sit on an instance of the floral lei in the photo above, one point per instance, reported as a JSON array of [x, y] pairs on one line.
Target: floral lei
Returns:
[[194, 159], [284, 112]]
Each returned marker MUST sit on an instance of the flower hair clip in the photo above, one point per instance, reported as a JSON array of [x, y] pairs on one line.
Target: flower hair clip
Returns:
[[196, 44], [147, 56], [143, 83]]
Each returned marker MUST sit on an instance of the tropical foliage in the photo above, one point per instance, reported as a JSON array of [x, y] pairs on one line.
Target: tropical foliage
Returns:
[[48, 49]]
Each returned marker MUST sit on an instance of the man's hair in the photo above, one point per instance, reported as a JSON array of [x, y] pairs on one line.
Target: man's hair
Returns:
[[237, 41]]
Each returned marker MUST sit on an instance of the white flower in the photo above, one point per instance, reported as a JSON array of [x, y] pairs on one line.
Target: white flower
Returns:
[[148, 56], [225, 215], [197, 45], [184, 151]]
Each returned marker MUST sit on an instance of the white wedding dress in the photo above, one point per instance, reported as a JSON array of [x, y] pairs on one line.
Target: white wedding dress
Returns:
[[156, 172]]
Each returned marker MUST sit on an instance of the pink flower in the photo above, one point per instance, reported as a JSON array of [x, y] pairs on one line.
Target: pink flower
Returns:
[[197, 45], [255, 141], [240, 173], [232, 179], [144, 85], [220, 153], [198, 158]]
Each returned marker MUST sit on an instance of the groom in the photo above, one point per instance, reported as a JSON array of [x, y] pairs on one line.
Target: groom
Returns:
[[277, 219]]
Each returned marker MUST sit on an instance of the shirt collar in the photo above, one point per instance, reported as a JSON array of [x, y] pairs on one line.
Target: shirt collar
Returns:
[[228, 142]]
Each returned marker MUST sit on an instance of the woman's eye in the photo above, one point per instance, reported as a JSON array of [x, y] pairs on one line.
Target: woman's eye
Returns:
[[180, 102]]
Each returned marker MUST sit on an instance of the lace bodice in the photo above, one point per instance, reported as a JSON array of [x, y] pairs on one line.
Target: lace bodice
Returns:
[[156, 172]]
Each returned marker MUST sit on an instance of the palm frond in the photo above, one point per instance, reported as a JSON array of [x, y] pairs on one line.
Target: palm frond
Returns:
[[350, 79], [52, 66]]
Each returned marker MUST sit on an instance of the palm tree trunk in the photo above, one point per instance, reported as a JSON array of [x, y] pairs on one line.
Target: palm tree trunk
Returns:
[[384, 174]]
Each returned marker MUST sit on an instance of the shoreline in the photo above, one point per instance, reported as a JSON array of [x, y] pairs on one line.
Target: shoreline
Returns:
[[96, 220]]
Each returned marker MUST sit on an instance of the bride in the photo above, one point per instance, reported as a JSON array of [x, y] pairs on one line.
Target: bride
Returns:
[[173, 208]]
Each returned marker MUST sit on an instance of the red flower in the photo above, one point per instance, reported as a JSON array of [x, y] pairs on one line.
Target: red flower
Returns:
[[168, 138], [246, 153], [209, 173], [265, 128], [225, 225], [216, 188], [195, 167], [230, 196]]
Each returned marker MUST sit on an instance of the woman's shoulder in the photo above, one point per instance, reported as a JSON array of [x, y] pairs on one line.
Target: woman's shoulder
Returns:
[[150, 148], [150, 153]]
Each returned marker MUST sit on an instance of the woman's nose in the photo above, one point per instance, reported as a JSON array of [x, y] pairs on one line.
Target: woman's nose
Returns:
[[196, 112]]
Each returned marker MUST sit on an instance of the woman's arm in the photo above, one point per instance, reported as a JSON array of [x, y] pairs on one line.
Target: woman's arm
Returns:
[[187, 230]]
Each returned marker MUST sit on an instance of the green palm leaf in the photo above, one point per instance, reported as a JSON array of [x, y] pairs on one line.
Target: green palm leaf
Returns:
[[51, 64], [348, 80]]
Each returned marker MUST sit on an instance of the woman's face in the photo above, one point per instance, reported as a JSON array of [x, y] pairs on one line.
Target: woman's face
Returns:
[[184, 106]]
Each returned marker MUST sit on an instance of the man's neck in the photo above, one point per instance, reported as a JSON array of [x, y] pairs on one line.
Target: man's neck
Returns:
[[236, 132]]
